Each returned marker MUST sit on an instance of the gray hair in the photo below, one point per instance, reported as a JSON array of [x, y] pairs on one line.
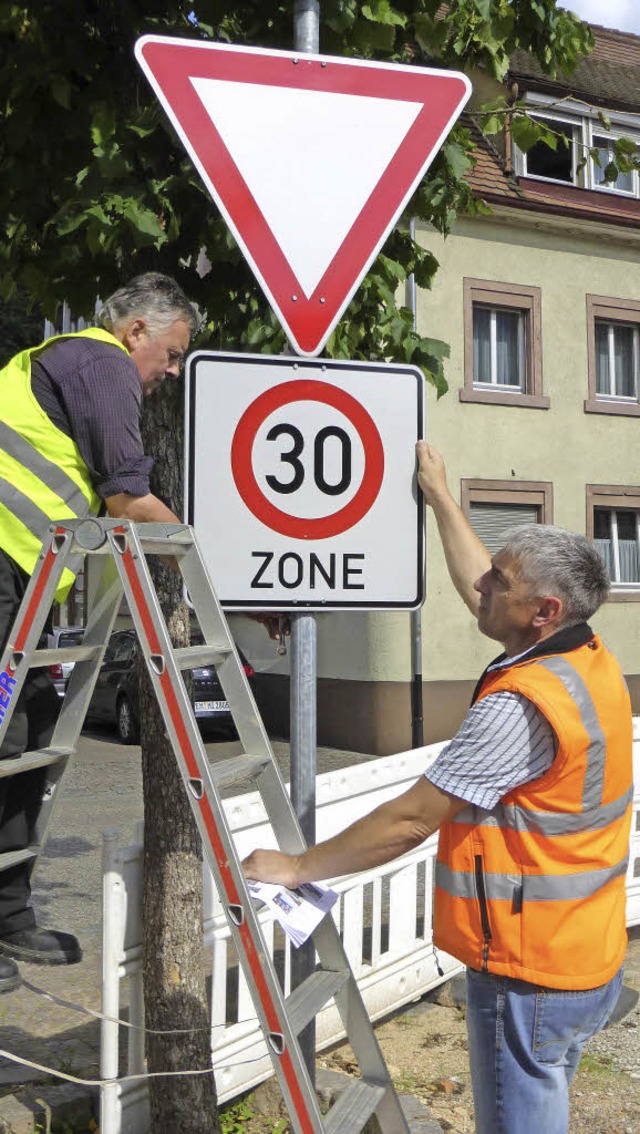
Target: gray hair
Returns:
[[154, 297], [558, 562]]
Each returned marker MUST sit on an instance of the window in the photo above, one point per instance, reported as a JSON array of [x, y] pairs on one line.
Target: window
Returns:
[[503, 353], [616, 359], [579, 131], [494, 507], [555, 165], [624, 182], [499, 347], [613, 522], [613, 339]]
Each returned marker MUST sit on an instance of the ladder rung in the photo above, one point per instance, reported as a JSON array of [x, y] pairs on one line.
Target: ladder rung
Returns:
[[353, 1107], [237, 770], [154, 545], [191, 657], [68, 654], [308, 998], [13, 858], [39, 758]]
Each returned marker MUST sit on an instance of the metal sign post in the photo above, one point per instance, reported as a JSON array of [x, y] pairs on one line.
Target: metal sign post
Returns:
[[303, 704]]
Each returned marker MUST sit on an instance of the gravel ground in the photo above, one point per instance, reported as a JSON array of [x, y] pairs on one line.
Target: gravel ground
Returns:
[[425, 1046]]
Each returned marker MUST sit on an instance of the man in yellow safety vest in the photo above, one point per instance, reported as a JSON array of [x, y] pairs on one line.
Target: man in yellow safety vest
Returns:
[[70, 446]]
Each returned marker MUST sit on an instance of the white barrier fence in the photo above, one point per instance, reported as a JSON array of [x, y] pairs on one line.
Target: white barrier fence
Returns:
[[384, 916]]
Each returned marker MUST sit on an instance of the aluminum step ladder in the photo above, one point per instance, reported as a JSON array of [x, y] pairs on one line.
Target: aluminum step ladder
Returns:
[[123, 547]]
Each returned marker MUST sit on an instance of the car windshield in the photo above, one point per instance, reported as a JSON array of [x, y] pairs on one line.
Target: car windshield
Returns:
[[70, 638]]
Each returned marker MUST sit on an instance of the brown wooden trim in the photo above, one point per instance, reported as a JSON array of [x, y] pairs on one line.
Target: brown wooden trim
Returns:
[[524, 298], [613, 310], [617, 409], [538, 493], [491, 398]]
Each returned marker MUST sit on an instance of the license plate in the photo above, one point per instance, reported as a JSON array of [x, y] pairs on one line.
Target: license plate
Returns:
[[212, 706]]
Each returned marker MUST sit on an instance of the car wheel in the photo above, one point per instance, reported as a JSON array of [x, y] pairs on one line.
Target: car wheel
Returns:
[[126, 723]]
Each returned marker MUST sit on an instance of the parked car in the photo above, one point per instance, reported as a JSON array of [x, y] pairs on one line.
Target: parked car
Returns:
[[115, 696], [62, 637]]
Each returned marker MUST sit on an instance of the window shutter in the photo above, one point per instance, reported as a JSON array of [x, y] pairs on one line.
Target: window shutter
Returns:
[[491, 522]]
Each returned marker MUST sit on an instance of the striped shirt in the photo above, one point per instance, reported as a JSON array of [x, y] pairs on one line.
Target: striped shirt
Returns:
[[91, 390], [504, 741]]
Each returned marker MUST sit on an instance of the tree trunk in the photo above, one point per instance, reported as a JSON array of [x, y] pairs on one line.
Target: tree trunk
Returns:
[[173, 942]]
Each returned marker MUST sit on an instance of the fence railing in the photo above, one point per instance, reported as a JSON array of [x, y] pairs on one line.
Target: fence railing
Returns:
[[384, 916]]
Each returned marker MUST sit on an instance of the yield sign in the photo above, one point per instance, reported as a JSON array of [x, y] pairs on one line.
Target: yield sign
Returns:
[[311, 159]]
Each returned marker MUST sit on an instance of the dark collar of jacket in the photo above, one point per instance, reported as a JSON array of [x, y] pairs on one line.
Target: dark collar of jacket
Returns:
[[571, 638]]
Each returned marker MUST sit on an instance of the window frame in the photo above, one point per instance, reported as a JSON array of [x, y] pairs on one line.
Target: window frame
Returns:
[[586, 124], [521, 297], [609, 310], [609, 136], [613, 497], [578, 130], [538, 493]]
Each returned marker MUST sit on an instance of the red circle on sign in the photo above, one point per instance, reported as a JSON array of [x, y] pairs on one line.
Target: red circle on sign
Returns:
[[299, 527]]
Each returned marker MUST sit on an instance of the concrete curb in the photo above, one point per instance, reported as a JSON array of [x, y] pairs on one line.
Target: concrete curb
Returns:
[[36, 1108]]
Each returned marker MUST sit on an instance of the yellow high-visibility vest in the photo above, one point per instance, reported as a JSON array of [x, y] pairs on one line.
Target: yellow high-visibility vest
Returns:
[[43, 476]]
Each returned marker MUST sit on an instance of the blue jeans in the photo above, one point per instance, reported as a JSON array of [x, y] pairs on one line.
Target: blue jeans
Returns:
[[524, 1046]]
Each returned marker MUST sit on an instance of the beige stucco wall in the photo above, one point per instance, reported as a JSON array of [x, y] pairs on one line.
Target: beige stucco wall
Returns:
[[562, 444]]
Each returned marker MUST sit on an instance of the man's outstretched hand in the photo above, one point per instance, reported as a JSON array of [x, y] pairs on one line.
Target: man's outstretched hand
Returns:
[[432, 476]]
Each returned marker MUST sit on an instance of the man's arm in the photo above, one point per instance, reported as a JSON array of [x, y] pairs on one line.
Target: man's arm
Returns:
[[140, 509], [386, 833], [467, 557]]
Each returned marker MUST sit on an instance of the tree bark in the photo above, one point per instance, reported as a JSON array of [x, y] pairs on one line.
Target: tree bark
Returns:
[[173, 940]]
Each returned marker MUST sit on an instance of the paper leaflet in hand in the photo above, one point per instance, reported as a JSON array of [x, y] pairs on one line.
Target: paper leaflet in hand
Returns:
[[298, 911]]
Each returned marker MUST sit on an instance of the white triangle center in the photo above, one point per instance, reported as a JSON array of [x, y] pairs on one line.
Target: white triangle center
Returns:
[[311, 160]]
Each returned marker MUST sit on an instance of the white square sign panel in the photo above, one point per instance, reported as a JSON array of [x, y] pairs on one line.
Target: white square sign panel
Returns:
[[301, 481]]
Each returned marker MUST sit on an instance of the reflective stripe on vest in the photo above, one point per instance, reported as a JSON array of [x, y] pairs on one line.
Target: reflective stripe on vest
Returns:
[[513, 817], [43, 476], [594, 815], [531, 888]]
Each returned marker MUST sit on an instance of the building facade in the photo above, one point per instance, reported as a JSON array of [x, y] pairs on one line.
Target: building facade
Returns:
[[540, 303]]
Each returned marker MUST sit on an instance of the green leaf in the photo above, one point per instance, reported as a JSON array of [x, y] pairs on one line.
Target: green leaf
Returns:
[[373, 37], [528, 131], [102, 124], [456, 158], [380, 11], [144, 220], [61, 91]]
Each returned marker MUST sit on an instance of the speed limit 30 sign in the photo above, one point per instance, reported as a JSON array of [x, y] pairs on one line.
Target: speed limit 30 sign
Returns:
[[301, 481]]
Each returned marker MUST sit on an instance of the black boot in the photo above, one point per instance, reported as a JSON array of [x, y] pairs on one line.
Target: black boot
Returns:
[[41, 947], [9, 975]]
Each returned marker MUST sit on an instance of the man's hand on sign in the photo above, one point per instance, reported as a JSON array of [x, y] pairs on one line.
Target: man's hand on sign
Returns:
[[432, 476], [277, 626]]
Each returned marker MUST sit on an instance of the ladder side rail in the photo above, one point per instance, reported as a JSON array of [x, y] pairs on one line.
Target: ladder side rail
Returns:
[[215, 630], [251, 731], [30, 621], [101, 618], [207, 809], [326, 938], [357, 1025]]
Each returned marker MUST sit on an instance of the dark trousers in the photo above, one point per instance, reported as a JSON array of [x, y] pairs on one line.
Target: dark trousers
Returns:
[[31, 727]]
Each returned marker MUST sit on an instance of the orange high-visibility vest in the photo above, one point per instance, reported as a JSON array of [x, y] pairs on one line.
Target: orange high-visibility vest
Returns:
[[535, 888]]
